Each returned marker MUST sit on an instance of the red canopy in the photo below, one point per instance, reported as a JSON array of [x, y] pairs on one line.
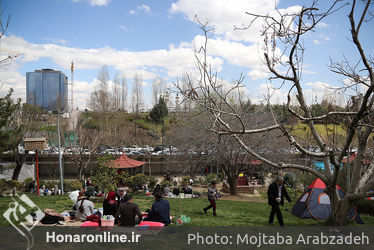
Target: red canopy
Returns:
[[125, 162], [353, 157]]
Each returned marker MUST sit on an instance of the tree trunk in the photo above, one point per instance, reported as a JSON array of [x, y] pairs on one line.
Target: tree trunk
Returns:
[[17, 170], [19, 163], [233, 182], [80, 173], [339, 209]]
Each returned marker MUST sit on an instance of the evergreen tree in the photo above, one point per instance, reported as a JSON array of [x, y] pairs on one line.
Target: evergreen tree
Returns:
[[159, 111], [7, 107]]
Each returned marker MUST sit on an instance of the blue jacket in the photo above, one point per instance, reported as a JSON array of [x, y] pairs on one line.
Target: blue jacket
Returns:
[[160, 212]]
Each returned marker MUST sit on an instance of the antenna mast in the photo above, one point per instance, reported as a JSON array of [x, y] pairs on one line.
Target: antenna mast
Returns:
[[72, 86]]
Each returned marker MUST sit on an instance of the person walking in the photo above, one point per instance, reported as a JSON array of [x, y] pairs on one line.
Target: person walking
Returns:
[[276, 194], [212, 196]]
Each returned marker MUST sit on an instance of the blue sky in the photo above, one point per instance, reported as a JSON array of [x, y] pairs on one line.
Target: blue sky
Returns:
[[156, 39]]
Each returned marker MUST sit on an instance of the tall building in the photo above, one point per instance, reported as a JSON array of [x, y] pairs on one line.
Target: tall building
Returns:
[[47, 88]]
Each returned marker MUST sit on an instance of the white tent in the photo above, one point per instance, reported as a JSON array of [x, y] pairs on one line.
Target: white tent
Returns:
[[27, 171]]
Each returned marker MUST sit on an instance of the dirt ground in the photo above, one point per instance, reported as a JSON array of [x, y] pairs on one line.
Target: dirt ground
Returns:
[[226, 196]]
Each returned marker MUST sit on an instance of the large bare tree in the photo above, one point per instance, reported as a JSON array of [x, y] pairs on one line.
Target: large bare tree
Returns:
[[123, 91], [101, 98], [25, 122], [201, 148], [137, 93], [283, 55], [84, 148]]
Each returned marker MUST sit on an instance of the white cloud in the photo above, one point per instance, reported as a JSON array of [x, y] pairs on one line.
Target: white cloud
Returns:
[[175, 61], [144, 8], [316, 92], [99, 2], [56, 41], [132, 12], [269, 92], [316, 42], [11, 78], [95, 2], [124, 28], [82, 92], [226, 14], [257, 74], [237, 54], [322, 25]]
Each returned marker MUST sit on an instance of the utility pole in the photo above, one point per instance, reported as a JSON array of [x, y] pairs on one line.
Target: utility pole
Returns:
[[163, 134], [134, 126], [348, 172], [59, 153], [72, 86]]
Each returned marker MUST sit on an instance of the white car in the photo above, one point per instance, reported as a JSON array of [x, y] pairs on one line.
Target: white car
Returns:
[[110, 151]]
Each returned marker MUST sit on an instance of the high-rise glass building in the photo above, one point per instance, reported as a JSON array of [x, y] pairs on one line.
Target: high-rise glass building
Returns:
[[47, 88]]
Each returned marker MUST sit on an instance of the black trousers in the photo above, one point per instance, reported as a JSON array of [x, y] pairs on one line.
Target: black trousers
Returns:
[[276, 210], [212, 205]]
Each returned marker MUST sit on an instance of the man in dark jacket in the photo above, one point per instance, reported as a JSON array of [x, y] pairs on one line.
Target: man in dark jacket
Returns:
[[160, 210], [127, 211], [276, 194]]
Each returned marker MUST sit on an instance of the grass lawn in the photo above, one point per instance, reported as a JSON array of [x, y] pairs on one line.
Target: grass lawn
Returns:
[[229, 213]]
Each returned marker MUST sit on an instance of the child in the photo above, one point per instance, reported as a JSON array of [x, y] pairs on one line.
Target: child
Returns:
[[212, 196]]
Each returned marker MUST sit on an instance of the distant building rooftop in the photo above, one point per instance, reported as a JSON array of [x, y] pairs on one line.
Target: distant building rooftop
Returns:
[[46, 70]]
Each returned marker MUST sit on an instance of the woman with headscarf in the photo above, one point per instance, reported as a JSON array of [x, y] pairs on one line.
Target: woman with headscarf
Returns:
[[110, 204], [84, 207]]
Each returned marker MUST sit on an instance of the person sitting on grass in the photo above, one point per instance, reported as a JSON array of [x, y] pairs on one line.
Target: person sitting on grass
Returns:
[[176, 191], [110, 204], [157, 189], [84, 208], [127, 212], [121, 196], [32, 187], [160, 211], [212, 196]]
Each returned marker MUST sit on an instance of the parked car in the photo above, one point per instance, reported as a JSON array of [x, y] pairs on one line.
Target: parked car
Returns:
[[110, 151]]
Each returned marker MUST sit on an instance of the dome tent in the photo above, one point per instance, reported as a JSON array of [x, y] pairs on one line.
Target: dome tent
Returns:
[[314, 203]]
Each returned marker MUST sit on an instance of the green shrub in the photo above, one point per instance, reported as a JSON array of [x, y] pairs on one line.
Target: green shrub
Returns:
[[165, 183], [66, 184], [209, 179], [14, 183], [220, 177], [136, 182], [3, 185], [365, 206], [185, 180], [152, 181], [97, 199], [51, 184], [27, 181], [196, 193], [90, 191], [75, 185], [105, 177]]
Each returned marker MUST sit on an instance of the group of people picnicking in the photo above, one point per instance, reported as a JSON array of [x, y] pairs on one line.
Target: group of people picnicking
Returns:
[[43, 190], [122, 207], [127, 213]]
